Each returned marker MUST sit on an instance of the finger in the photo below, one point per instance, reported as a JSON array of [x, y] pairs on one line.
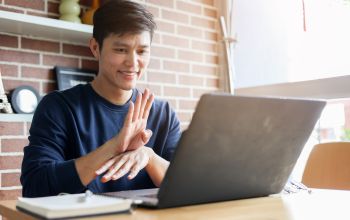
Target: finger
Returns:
[[136, 142], [128, 118], [143, 103], [148, 106], [105, 166], [134, 171], [140, 140], [114, 169], [137, 107], [123, 170], [146, 135]]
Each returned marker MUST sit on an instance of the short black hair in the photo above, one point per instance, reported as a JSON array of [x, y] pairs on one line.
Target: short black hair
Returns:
[[121, 17]]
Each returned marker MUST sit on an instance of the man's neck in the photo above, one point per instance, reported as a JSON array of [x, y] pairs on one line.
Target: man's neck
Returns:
[[114, 95]]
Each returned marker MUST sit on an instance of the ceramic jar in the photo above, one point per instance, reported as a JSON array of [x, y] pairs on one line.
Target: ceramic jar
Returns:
[[70, 10]]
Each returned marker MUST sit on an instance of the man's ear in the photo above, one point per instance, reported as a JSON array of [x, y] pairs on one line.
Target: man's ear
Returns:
[[94, 47]]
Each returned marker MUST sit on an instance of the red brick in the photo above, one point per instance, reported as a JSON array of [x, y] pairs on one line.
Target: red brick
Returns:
[[210, 12], [18, 56], [13, 145], [176, 66], [212, 82], [208, 2], [177, 91], [77, 50], [41, 45], [172, 102], [197, 93], [33, 4], [185, 116], [188, 104], [156, 38], [191, 80], [189, 31], [38, 73], [11, 9], [8, 41], [161, 77], [53, 60], [203, 46], [201, 69], [10, 179], [28, 126], [48, 87], [52, 7], [213, 36], [175, 16], [10, 84], [10, 162], [154, 10], [9, 70], [190, 56], [10, 194], [213, 59], [203, 23], [89, 64], [167, 3], [163, 26], [154, 64], [163, 52], [155, 89], [189, 7], [11, 128], [175, 41]]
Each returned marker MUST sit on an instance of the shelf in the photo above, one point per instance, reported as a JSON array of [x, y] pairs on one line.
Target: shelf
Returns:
[[16, 117], [47, 28]]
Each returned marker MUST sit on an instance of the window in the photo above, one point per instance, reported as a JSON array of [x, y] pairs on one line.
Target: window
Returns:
[[276, 55]]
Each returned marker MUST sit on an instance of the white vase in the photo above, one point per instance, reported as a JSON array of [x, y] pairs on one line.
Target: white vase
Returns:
[[70, 10]]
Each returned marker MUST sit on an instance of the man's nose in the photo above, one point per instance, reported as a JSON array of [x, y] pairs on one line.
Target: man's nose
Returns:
[[131, 59]]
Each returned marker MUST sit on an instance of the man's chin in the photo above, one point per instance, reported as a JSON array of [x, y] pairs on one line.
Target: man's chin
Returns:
[[129, 87]]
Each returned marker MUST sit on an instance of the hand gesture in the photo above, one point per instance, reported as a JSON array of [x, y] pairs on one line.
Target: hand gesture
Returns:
[[130, 161], [133, 133]]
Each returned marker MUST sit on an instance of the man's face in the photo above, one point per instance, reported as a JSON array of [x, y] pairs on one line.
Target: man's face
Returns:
[[123, 59]]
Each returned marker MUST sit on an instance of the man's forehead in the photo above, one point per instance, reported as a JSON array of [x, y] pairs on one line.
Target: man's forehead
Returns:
[[142, 39]]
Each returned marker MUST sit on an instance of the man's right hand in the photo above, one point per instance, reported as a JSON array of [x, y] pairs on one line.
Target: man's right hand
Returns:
[[134, 134]]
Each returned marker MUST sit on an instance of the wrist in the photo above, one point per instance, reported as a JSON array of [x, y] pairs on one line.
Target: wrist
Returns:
[[113, 146], [151, 155]]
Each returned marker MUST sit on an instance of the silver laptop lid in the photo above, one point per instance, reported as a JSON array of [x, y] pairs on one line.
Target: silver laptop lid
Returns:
[[238, 147]]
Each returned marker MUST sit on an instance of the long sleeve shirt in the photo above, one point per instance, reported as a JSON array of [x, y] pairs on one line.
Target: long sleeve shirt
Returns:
[[70, 124]]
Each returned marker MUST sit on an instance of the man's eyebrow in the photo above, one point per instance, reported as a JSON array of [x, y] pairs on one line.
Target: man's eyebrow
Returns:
[[120, 44]]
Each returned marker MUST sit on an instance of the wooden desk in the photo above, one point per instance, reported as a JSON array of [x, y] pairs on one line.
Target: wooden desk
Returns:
[[325, 204]]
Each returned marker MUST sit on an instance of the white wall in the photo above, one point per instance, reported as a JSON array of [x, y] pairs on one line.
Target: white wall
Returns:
[[273, 47]]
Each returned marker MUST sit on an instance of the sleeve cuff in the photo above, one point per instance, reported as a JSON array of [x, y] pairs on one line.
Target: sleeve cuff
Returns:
[[67, 179]]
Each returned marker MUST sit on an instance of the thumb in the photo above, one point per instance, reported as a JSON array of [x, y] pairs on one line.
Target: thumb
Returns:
[[146, 135]]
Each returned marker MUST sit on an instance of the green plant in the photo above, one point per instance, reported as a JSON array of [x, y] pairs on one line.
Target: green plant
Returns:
[[346, 135]]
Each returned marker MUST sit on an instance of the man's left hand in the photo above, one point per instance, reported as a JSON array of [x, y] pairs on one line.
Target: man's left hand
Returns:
[[130, 161]]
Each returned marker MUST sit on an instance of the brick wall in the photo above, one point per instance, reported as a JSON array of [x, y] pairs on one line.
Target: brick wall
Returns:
[[184, 65]]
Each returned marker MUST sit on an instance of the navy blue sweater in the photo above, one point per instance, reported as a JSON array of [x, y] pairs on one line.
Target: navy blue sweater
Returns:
[[69, 124]]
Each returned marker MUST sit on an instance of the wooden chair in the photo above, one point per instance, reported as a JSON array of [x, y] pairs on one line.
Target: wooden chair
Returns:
[[328, 166]]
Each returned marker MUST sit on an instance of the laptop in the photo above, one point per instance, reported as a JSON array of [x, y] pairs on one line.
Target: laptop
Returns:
[[235, 147]]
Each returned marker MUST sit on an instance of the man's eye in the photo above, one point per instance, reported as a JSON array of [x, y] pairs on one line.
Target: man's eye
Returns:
[[142, 52], [120, 50]]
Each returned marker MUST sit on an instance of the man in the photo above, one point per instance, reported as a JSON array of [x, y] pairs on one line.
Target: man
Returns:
[[93, 136]]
